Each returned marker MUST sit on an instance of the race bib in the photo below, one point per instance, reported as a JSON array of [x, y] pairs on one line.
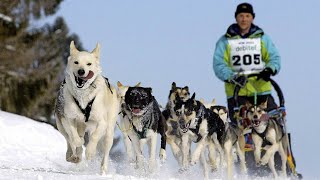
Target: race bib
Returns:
[[245, 55]]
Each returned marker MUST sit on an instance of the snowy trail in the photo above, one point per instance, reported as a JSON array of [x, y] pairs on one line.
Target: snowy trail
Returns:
[[30, 149], [33, 150]]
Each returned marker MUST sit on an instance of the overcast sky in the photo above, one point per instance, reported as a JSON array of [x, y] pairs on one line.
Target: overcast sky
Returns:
[[158, 42]]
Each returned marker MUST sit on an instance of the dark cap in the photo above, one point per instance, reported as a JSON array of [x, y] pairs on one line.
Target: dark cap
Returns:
[[244, 8]]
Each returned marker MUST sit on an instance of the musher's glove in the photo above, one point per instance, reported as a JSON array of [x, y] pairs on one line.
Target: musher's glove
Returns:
[[238, 80], [265, 74]]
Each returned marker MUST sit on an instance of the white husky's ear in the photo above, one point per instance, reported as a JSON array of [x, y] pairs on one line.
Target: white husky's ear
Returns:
[[96, 51], [73, 49], [213, 102]]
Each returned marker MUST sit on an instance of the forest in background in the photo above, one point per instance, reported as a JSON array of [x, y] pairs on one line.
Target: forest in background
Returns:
[[32, 58]]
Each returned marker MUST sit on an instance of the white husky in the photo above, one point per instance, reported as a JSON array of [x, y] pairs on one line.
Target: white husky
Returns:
[[86, 103]]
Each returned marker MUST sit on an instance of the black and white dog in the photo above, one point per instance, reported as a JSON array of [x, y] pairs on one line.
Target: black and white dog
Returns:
[[142, 110], [196, 123], [230, 137], [172, 116]]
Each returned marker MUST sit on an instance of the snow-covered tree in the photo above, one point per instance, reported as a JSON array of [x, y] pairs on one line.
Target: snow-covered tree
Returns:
[[32, 59]]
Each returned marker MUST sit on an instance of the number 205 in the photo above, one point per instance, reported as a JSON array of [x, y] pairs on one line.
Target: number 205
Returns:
[[246, 59]]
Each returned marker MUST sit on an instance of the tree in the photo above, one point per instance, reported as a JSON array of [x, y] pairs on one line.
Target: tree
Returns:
[[32, 60]]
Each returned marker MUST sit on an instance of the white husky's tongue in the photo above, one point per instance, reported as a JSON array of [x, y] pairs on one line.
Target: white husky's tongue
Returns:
[[90, 75]]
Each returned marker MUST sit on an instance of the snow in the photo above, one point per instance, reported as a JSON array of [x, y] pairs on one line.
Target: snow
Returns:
[[35, 150]]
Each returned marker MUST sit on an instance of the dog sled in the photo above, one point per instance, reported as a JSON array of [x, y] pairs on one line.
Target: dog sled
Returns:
[[280, 115]]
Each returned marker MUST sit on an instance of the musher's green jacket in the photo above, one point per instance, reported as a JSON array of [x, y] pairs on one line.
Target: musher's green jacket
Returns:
[[222, 62]]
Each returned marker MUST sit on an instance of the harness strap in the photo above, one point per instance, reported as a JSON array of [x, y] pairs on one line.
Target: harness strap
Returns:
[[87, 110], [262, 135], [198, 120], [108, 84], [141, 134]]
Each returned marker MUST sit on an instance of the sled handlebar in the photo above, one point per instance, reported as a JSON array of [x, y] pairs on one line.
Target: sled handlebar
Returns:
[[273, 83]]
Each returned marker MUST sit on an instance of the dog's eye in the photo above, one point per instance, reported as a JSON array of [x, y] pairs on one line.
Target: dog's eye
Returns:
[[189, 112], [76, 62], [89, 64]]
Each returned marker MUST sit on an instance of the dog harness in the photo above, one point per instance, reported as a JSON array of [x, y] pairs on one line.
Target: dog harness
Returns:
[[148, 120], [197, 122], [108, 84], [87, 110], [262, 135]]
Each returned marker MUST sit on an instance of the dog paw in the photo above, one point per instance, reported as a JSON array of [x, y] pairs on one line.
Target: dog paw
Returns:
[[185, 167], [163, 155], [139, 163], [243, 169], [284, 174], [263, 161], [90, 154], [214, 168], [73, 159], [182, 170], [152, 165], [193, 162], [104, 170], [131, 160], [258, 164], [90, 151]]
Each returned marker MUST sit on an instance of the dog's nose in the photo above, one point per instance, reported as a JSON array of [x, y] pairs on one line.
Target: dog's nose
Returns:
[[136, 100], [181, 121], [255, 116], [81, 72]]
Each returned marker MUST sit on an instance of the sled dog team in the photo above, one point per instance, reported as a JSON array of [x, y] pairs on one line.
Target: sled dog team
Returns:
[[88, 103]]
